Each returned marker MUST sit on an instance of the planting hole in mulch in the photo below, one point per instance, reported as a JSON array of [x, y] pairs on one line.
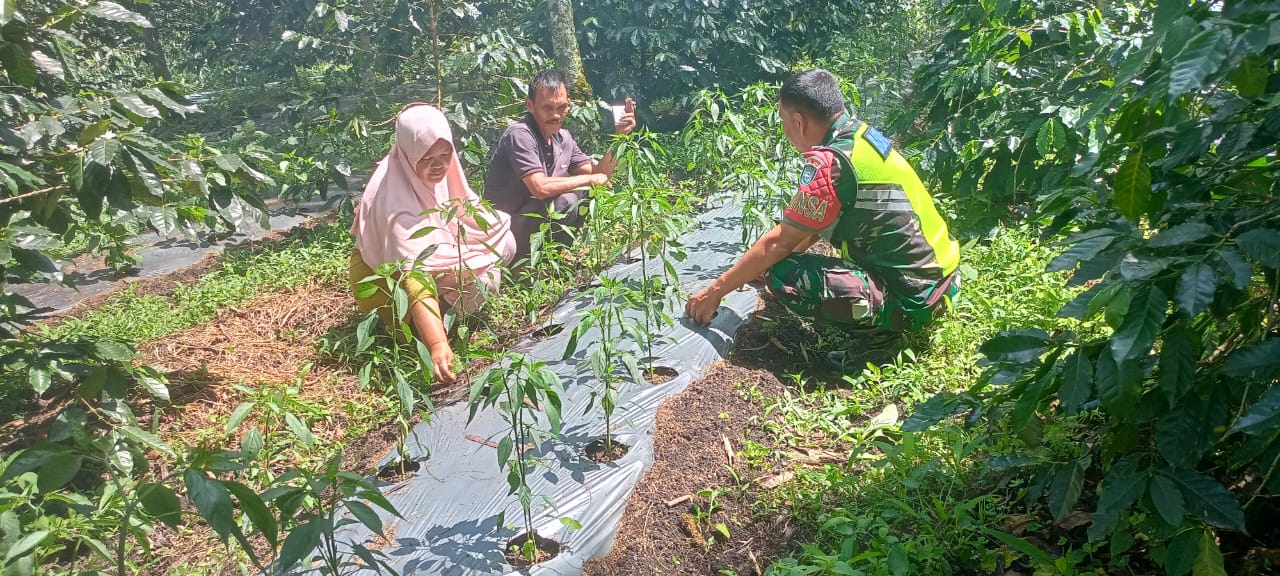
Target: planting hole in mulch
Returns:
[[547, 549], [398, 471], [547, 331], [597, 451], [660, 375]]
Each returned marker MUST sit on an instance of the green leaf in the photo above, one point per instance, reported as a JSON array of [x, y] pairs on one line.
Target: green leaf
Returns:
[[1196, 288], [113, 350], [103, 151], [40, 379], [156, 96], [1178, 355], [25, 546], [1250, 77], [1202, 57], [365, 515], [164, 219], [1117, 384], [238, 416], [153, 385], [58, 470], [136, 105], [1122, 486], [1208, 501], [404, 392], [161, 503], [17, 64], [400, 298], [1182, 552], [1167, 499], [149, 181], [301, 541], [1077, 381], [147, 439], [1082, 251], [1016, 346], [212, 501], [1132, 188], [364, 332], [252, 443], [257, 512], [1264, 411], [1141, 324], [299, 429], [1185, 433], [1181, 234], [1241, 272], [1023, 546], [1258, 362], [505, 446], [1050, 137], [1209, 560], [1136, 267], [117, 13], [941, 406], [1262, 245], [1064, 492], [1167, 12]]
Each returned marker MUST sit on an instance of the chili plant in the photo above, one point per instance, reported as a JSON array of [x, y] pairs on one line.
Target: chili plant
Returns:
[[520, 388], [401, 366], [608, 315], [459, 216], [312, 502]]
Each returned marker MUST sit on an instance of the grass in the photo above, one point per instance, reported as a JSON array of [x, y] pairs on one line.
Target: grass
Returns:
[[318, 254]]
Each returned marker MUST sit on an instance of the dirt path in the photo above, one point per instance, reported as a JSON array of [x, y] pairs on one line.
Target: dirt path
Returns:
[[692, 464]]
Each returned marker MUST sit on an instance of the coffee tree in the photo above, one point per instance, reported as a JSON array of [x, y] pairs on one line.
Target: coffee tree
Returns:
[[1146, 135], [85, 147]]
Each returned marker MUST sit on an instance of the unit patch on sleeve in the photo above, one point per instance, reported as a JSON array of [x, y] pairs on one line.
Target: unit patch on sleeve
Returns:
[[811, 166], [815, 205], [878, 141]]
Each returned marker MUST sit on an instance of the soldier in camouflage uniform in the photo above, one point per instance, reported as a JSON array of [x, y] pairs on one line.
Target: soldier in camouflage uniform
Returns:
[[895, 268]]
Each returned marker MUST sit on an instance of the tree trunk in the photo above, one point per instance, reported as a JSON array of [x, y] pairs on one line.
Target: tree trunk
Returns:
[[154, 54], [368, 61], [564, 43]]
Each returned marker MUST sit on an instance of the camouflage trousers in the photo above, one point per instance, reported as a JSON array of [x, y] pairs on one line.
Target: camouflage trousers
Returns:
[[832, 290]]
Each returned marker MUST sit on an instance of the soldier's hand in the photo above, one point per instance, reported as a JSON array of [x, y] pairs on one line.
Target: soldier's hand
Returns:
[[702, 306]]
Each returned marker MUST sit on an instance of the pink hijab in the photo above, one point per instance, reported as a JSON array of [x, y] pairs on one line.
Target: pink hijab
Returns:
[[397, 203]]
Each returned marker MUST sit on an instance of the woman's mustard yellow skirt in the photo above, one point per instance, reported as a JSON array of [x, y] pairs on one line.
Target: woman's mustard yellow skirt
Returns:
[[380, 300]]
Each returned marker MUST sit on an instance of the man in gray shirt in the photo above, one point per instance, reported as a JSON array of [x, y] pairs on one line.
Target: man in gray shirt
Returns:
[[538, 166]]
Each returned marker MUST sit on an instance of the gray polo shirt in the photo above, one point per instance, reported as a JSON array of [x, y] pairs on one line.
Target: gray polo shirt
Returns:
[[522, 151]]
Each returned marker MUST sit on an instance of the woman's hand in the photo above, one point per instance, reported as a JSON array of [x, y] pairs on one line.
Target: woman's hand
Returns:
[[442, 357]]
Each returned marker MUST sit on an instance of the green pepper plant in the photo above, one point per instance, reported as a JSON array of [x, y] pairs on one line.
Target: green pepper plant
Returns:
[[520, 388], [395, 361], [610, 301]]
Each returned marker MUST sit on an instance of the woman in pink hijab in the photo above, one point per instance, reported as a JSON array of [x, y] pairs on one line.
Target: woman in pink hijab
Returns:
[[419, 190]]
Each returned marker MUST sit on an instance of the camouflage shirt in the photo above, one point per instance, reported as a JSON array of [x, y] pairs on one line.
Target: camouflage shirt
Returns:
[[861, 195]]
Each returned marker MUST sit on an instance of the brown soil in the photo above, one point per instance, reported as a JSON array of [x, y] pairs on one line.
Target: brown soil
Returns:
[[660, 375], [690, 455], [597, 451], [547, 549]]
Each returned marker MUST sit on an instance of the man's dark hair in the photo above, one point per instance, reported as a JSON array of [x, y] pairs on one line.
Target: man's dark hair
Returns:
[[551, 79], [814, 91]]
